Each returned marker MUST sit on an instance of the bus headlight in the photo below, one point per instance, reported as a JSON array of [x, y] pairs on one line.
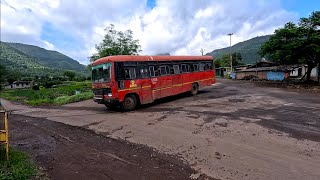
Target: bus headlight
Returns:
[[110, 94]]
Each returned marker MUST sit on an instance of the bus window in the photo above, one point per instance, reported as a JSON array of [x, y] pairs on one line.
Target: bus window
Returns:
[[201, 67], [101, 73], [188, 68], [130, 73], [168, 69], [183, 68], [152, 72], [144, 72], [163, 70], [176, 69], [196, 67], [206, 67]]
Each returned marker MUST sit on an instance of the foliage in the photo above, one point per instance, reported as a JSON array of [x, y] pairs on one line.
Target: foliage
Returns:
[[74, 98], [117, 43], [3, 72], [36, 87], [69, 74], [296, 43], [248, 50], [48, 58], [18, 167], [224, 61], [48, 96]]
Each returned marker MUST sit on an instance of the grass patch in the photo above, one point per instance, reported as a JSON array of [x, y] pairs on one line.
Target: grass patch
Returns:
[[74, 98], [62, 94], [19, 165]]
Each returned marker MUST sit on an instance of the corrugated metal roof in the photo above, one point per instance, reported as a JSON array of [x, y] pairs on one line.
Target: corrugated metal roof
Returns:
[[272, 68]]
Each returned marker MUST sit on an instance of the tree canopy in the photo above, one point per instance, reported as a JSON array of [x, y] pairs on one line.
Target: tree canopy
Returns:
[[3, 72], [296, 43], [117, 43], [224, 61], [70, 75]]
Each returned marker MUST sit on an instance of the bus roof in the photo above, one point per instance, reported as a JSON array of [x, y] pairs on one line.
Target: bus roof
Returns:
[[128, 58]]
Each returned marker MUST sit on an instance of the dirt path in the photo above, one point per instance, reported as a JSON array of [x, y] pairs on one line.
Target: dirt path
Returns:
[[67, 152], [233, 130]]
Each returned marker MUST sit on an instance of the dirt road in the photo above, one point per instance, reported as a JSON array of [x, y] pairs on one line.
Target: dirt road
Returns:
[[233, 130]]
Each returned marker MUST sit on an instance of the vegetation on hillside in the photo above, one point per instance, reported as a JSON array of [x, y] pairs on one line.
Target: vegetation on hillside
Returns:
[[60, 94], [21, 66], [48, 58], [224, 61], [296, 43], [17, 61], [117, 43], [248, 49]]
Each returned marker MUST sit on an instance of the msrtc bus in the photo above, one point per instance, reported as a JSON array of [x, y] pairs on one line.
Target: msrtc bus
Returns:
[[132, 80]]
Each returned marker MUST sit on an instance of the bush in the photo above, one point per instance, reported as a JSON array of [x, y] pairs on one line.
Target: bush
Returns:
[[74, 98], [49, 95], [18, 167], [35, 87]]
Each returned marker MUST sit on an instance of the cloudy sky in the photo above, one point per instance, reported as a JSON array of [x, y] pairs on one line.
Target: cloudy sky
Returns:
[[178, 27]]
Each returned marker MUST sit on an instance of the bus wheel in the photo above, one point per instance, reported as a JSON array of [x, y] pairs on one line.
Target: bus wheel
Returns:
[[129, 103], [194, 89]]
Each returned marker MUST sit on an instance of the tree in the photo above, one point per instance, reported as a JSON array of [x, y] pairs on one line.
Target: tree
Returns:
[[69, 74], [3, 72], [117, 43], [295, 44], [224, 61]]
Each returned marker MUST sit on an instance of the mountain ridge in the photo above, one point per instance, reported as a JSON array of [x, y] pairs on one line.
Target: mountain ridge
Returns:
[[31, 60], [248, 49], [49, 58]]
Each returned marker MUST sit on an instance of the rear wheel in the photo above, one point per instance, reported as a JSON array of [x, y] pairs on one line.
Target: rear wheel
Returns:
[[129, 103], [194, 89]]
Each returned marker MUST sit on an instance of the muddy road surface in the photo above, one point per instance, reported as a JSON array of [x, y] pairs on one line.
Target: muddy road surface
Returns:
[[68, 152], [232, 130]]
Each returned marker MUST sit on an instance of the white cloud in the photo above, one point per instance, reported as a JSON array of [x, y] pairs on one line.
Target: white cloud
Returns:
[[177, 27], [48, 45]]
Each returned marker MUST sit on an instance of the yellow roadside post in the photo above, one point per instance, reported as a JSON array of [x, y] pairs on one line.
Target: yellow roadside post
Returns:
[[4, 136]]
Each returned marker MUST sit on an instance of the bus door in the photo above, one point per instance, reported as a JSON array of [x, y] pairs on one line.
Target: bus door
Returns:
[[145, 83], [176, 79], [165, 81], [155, 83]]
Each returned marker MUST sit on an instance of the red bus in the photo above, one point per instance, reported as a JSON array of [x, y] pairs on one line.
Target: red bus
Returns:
[[133, 80]]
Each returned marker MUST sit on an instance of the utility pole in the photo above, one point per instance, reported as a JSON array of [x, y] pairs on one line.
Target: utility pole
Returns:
[[230, 34], [202, 51]]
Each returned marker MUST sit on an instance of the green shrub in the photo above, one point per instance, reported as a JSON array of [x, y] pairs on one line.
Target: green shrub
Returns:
[[47, 95], [74, 98], [18, 167]]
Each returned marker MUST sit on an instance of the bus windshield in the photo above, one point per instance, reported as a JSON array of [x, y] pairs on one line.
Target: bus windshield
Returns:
[[101, 73]]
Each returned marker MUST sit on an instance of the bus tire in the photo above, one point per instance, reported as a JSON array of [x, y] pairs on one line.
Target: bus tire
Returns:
[[194, 89], [129, 103]]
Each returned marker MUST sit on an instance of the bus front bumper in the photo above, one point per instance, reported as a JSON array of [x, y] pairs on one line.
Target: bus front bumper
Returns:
[[100, 100]]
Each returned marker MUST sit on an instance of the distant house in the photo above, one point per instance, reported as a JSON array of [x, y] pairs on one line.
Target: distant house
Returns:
[[273, 73], [223, 71], [270, 71], [19, 85], [298, 71], [264, 70]]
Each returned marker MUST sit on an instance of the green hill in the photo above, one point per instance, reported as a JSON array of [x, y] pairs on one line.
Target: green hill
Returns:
[[17, 61], [31, 60], [48, 58], [248, 49]]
